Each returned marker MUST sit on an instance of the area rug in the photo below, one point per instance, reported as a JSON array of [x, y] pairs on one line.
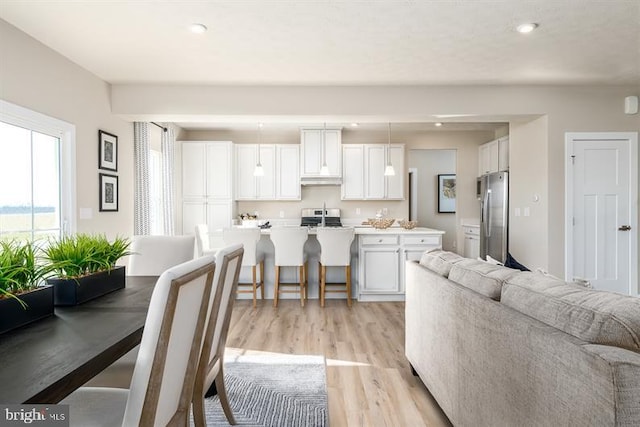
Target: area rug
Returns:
[[273, 390]]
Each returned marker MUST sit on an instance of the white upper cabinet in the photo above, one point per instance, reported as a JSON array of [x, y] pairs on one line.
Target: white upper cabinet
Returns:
[[312, 152], [363, 173], [493, 156], [281, 179], [288, 172], [353, 172], [219, 161], [374, 164], [395, 184]]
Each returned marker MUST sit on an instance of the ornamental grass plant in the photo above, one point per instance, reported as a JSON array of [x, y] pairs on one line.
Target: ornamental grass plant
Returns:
[[83, 254], [22, 268]]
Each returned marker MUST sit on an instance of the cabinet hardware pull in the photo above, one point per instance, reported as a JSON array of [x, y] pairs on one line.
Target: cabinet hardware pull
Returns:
[[624, 228], [379, 240]]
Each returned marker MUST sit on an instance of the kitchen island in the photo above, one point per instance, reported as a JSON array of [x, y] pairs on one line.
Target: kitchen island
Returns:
[[377, 262]]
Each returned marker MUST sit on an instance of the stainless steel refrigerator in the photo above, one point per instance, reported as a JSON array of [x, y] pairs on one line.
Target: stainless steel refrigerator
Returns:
[[494, 215]]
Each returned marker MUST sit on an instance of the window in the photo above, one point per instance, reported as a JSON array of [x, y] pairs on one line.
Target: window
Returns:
[[36, 175]]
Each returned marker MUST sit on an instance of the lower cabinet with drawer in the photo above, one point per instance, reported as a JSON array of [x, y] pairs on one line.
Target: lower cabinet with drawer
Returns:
[[381, 263]]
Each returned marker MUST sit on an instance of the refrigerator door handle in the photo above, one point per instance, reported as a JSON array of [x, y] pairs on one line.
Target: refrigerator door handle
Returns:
[[487, 218]]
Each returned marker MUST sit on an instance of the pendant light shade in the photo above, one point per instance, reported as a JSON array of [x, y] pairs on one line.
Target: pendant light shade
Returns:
[[324, 170], [259, 170], [389, 170]]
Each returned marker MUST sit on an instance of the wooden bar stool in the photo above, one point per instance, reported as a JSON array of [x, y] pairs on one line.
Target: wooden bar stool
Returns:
[[335, 251], [289, 252], [249, 238]]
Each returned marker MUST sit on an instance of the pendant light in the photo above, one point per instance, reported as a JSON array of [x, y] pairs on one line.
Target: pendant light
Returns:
[[259, 170], [324, 170], [389, 170]]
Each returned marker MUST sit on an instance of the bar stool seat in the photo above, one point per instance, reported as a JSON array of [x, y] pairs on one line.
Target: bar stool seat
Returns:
[[248, 237], [335, 251], [288, 243]]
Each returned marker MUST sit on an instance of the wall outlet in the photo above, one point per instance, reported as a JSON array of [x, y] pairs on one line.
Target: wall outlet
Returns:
[[281, 214], [385, 211], [527, 212], [357, 211], [516, 211]]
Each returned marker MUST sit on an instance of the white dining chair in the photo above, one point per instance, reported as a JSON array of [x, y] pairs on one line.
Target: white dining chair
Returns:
[[203, 241], [164, 376], [253, 258], [154, 254], [211, 364], [288, 243], [335, 251]]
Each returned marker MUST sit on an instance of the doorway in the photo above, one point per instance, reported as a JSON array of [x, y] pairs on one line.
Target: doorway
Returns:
[[425, 165], [601, 188]]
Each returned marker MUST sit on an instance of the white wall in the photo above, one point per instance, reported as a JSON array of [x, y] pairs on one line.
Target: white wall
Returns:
[[38, 78], [429, 164]]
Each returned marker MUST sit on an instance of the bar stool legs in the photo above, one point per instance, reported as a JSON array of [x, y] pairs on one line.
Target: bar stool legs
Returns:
[[302, 285], [330, 287]]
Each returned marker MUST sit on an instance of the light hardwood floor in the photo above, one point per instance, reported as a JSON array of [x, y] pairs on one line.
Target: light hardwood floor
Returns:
[[369, 379]]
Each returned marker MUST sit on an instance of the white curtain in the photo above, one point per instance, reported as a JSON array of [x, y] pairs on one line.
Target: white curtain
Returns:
[[168, 191], [141, 221]]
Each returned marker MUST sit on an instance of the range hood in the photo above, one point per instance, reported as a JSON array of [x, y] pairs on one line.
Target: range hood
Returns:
[[320, 180]]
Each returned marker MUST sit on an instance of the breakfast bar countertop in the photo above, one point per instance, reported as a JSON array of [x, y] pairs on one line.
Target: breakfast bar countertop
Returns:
[[370, 230]]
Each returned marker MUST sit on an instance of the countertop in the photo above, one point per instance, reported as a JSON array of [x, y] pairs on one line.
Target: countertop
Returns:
[[370, 230]]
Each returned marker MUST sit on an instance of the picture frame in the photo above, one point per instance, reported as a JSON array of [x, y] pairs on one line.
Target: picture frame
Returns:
[[447, 193], [108, 151], [108, 193]]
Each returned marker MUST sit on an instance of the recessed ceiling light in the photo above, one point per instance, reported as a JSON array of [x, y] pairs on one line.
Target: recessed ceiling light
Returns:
[[198, 28], [437, 124], [355, 125], [526, 28]]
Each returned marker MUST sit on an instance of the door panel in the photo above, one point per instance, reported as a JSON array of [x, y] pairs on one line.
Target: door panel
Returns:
[[601, 176]]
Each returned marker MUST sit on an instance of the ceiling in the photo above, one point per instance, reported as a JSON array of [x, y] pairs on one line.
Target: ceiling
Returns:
[[341, 42]]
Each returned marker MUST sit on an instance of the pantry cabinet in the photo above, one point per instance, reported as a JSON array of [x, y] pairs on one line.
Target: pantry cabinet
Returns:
[[206, 188]]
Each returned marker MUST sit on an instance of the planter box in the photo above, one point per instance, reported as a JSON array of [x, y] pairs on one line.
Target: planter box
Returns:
[[39, 305], [77, 291]]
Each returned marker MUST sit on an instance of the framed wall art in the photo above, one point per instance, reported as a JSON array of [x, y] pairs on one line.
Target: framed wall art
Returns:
[[108, 193], [108, 151], [447, 193]]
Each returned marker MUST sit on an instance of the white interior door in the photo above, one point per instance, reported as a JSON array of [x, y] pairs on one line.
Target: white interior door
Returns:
[[601, 210]]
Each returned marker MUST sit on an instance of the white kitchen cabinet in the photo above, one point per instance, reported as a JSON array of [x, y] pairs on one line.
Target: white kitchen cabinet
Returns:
[[493, 156], [312, 151], [288, 172], [352, 172], [281, 179], [207, 184], [381, 262], [471, 241], [395, 184], [363, 174]]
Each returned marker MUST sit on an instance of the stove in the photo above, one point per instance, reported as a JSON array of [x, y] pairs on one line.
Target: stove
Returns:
[[313, 217]]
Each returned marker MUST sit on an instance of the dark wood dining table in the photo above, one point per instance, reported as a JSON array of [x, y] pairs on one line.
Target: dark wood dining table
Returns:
[[45, 361]]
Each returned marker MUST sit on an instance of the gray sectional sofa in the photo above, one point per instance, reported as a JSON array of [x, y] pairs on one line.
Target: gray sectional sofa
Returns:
[[500, 347]]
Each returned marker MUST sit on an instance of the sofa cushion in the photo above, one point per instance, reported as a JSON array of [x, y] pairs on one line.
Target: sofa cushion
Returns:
[[597, 317], [439, 261], [480, 276]]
